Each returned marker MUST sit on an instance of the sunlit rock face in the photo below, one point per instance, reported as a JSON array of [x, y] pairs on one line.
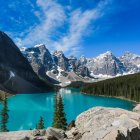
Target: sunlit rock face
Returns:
[[106, 64], [131, 62], [39, 58], [105, 123], [137, 108]]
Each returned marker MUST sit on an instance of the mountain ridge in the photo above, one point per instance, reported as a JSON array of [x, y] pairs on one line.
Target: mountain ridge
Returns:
[[16, 73], [59, 67]]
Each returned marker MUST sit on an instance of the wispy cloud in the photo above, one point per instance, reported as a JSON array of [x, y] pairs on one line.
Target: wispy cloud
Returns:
[[79, 24], [52, 17]]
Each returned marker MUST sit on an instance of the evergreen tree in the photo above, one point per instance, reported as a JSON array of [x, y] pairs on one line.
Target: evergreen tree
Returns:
[[59, 120], [124, 86], [54, 124], [40, 124], [4, 116]]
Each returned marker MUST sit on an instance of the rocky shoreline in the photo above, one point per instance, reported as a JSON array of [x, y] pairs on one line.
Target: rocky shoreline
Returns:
[[97, 123]]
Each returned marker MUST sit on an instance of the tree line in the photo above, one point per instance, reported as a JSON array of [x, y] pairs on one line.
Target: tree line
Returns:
[[59, 120], [4, 115], [124, 86]]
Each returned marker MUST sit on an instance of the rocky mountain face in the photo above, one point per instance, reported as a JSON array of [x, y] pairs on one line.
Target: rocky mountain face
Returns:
[[60, 60], [55, 67], [16, 74], [106, 64], [131, 62], [62, 69], [39, 58]]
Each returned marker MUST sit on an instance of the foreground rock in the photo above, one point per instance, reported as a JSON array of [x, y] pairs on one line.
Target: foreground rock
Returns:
[[95, 124], [105, 123], [49, 134], [137, 108]]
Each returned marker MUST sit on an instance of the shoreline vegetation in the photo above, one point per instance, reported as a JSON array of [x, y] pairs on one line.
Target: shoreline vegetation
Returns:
[[123, 87]]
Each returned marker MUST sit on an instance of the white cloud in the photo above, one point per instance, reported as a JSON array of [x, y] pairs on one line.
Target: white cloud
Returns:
[[52, 17], [79, 23]]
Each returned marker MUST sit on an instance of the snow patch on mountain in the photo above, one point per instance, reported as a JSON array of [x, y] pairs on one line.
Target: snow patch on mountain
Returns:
[[38, 45], [12, 74]]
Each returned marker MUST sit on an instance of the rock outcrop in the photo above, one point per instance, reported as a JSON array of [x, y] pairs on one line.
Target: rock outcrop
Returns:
[[137, 109], [105, 123], [49, 134], [98, 123]]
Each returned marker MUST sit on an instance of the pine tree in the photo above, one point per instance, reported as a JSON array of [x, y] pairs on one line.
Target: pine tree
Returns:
[[123, 86], [59, 120], [40, 124], [54, 124], [4, 116]]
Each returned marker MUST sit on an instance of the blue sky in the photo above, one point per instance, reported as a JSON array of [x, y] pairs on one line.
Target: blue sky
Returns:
[[77, 27]]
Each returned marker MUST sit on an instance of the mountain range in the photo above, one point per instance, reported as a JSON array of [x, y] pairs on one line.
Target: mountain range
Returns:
[[36, 69], [62, 70]]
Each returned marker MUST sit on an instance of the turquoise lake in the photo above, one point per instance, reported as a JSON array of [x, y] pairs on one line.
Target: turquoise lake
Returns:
[[26, 109]]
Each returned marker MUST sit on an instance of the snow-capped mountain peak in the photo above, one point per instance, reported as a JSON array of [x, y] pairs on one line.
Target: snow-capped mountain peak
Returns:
[[105, 55], [128, 55], [104, 65], [58, 53], [131, 62], [39, 45]]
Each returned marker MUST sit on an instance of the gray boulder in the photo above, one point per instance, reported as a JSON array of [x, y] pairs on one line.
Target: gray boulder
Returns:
[[137, 108], [55, 134], [104, 123]]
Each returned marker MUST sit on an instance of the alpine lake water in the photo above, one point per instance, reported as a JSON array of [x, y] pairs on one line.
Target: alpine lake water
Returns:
[[26, 109]]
